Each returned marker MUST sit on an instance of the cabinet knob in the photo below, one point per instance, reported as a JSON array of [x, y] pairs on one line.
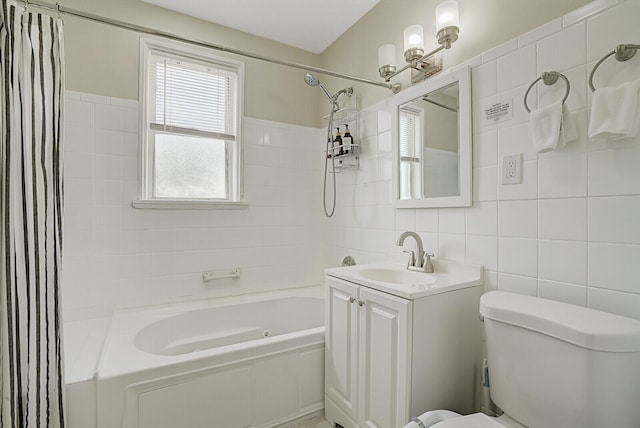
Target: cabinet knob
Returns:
[[361, 302], [352, 299]]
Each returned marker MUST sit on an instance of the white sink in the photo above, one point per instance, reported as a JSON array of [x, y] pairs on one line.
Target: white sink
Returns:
[[397, 276], [396, 279]]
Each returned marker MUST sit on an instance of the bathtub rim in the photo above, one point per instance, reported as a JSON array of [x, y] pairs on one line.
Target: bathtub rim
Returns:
[[120, 356]]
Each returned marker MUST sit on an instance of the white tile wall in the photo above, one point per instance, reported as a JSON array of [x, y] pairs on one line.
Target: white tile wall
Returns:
[[571, 230], [117, 256]]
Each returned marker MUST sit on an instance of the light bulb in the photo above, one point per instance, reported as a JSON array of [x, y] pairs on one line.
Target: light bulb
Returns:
[[447, 23], [447, 15], [386, 55], [386, 60], [413, 37]]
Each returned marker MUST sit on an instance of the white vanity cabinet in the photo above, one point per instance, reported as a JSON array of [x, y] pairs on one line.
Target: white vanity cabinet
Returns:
[[367, 353], [389, 358]]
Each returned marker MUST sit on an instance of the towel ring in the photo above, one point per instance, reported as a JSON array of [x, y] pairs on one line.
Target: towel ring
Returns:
[[622, 53], [549, 78]]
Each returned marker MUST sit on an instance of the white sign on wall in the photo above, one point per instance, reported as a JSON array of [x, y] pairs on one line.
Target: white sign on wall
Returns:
[[498, 112]]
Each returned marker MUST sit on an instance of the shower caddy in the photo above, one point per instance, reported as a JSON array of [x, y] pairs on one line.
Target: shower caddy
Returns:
[[347, 115]]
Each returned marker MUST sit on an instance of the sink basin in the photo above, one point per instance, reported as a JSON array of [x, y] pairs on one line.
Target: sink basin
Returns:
[[396, 279], [397, 276]]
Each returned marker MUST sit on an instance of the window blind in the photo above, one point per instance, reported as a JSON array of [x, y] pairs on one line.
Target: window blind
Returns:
[[188, 97], [408, 136]]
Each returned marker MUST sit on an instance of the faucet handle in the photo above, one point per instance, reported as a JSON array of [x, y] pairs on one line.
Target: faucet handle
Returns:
[[412, 258], [426, 262]]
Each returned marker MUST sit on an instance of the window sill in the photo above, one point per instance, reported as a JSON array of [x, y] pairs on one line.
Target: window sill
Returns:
[[194, 204]]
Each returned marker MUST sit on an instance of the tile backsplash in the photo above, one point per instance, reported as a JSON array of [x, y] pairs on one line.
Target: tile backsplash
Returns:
[[571, 230]]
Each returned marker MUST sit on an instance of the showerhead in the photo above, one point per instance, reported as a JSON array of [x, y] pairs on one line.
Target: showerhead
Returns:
[[312, 80]]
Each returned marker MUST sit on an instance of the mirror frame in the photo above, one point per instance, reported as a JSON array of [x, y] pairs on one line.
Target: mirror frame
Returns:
[[465, 172]]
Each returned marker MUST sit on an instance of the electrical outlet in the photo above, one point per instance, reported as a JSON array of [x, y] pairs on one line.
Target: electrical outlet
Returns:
[[512, 169]]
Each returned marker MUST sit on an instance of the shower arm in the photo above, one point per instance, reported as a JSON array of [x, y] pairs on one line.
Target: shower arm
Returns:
[[62, 10]]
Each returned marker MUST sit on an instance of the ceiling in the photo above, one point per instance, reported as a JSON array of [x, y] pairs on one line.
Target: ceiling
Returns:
[[311, 25]]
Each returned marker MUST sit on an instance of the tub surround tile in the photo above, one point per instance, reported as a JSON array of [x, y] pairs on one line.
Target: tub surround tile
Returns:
[[405, 219], [516, 68], [483, 251], [563, 219], [614, 219], [518, 219], [614, 266], [427, 220], [564, 261], [573, 294], [485, 149], [101, 169], [484, 183], [563, 50], [517, 284], [625, 304], [451, 247], [518, 256], [514, 140], [482, 219], [451, 220], [614, 171], [562, 177], [484, 80], [109, 117]]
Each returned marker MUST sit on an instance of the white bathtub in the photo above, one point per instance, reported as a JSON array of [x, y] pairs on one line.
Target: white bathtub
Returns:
[[251, 361]]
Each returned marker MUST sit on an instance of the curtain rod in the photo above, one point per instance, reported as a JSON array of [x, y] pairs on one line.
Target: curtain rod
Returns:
[[154, 32]]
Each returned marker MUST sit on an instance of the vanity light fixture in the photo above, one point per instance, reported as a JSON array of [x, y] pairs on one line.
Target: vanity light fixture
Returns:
[[424, 65]]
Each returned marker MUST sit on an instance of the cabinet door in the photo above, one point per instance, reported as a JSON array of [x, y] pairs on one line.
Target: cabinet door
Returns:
[[341, 344], [385, 359]]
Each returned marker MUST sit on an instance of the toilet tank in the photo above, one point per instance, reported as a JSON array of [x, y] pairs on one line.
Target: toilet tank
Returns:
[[555, 365]]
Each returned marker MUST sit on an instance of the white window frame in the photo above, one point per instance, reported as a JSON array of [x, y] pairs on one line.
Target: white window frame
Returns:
[[145, 172], [413, 174]]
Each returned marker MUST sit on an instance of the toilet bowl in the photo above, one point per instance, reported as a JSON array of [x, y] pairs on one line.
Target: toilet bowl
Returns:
[[554, 365]]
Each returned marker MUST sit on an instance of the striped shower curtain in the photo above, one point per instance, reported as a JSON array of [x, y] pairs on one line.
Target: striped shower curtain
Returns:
[[31, 98]]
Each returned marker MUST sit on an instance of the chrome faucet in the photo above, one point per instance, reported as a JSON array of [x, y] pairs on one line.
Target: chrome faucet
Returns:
[[416, 259], [420, 259]]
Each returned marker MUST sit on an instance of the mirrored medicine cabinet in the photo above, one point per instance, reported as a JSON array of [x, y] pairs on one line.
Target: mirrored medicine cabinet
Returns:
[[432, 142]]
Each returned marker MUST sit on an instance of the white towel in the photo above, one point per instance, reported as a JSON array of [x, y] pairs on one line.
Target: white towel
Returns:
[[551, 127], [614, 112]]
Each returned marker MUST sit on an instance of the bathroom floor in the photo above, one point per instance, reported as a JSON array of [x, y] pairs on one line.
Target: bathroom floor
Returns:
[[316, 422]]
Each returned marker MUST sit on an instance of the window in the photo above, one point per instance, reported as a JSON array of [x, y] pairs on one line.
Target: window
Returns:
[[191, 113], [410, 124]]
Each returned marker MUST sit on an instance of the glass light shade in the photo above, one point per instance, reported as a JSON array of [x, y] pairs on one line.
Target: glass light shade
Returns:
[[413, 37], [386, 55], [447, 15]]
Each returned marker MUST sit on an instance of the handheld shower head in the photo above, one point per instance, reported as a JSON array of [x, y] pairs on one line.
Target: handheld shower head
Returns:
[[312, 80]]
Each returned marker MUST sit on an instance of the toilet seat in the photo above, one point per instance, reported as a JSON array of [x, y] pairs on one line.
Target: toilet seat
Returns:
[[476, 420]]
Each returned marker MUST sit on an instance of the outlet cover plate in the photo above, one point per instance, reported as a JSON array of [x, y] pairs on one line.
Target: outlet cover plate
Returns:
[[512, 169]]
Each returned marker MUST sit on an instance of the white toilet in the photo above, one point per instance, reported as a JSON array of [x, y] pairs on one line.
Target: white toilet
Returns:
[[554, 365]]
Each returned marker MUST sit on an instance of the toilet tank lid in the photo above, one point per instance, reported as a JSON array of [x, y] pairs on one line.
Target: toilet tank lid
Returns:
[[588, 328]]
